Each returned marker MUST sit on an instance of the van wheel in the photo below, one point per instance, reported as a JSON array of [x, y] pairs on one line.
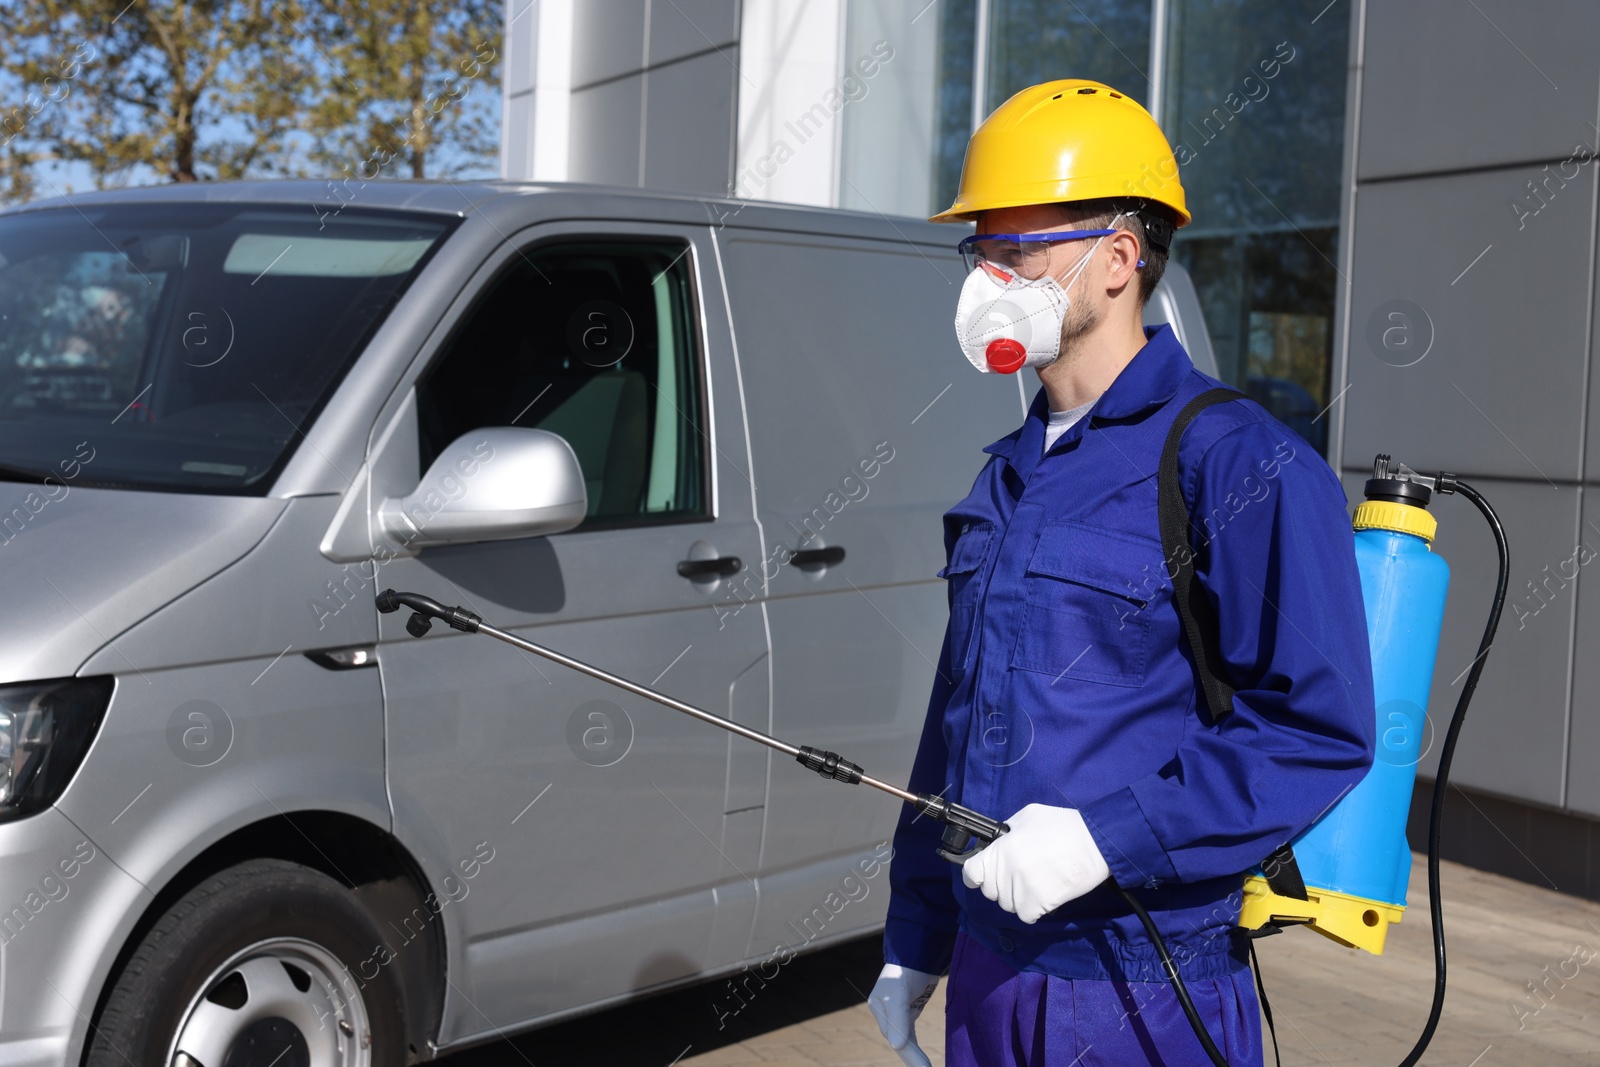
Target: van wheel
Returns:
[[260, 965]]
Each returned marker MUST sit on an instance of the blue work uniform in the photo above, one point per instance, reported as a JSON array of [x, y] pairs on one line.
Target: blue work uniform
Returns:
[[1064, 680]]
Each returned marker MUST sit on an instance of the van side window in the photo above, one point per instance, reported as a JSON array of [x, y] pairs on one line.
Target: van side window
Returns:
[[593, 341]]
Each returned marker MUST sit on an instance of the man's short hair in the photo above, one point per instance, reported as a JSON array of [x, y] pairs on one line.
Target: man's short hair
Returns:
[[1150, 222]]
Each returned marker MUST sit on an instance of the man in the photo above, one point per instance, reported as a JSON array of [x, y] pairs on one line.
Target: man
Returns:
[[1066, 699]]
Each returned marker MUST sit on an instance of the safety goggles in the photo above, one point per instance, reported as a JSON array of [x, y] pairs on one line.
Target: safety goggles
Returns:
[[1026, 254]]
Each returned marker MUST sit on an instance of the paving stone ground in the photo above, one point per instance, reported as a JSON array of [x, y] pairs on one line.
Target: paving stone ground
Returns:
[[1334, 1006]]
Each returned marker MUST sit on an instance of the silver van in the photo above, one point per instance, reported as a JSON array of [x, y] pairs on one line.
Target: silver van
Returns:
[[704, 444]]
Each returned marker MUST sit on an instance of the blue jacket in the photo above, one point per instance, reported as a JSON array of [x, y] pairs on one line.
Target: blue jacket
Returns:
[[1064, 678]]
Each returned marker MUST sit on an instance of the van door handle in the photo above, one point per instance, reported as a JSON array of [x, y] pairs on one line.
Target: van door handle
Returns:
[[811, 557], [719, 567]]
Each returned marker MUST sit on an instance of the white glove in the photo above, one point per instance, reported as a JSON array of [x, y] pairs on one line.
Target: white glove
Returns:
[[897, 999], [1047, 859]]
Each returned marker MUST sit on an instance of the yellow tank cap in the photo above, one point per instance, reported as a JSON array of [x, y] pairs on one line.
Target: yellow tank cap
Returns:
[[1389, 515]]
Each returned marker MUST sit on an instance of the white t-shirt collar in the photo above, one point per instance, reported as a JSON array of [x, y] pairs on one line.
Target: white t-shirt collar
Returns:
[[1062, 421]]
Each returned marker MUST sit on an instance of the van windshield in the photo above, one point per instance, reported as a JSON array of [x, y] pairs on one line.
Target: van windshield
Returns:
[[186, 347]]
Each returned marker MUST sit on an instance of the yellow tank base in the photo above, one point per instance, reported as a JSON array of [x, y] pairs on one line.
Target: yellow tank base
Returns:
[[1354, 922]]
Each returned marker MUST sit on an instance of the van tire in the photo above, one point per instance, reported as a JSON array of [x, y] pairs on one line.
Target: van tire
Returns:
[[259, 902]]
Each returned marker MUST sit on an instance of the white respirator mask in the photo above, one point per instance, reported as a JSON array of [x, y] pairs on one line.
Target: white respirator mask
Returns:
[[1005, 322]]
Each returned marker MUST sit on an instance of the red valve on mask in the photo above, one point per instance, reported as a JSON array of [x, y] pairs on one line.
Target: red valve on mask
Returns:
[[1005, 355]]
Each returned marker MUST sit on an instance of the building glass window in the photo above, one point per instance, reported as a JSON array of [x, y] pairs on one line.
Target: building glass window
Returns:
[[1033, 41], [889, 106], [958, 24], [1254, 102]]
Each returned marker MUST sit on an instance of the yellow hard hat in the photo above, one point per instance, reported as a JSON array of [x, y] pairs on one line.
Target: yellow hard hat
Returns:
[[1066, 140]]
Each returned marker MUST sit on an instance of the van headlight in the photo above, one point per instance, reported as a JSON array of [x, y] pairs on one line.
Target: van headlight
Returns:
[[45, 730]]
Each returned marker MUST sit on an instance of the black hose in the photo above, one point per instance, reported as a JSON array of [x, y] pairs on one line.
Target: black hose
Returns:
[[1195, 1022], [1450, 484], [1266, 1005], [1446, 484]]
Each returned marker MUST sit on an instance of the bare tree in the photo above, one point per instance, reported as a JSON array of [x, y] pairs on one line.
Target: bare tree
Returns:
[[206, 89], [188, 88], [411, 88]]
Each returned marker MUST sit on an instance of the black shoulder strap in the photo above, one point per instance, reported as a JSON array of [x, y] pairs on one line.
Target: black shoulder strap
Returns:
[[1199, 620]]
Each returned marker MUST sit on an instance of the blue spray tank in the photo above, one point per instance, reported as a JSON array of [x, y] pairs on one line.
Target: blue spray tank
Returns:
[[1355, 860], [1346, 876]]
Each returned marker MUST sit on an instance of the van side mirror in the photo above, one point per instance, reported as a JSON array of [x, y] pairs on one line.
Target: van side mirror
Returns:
[[494, 484]]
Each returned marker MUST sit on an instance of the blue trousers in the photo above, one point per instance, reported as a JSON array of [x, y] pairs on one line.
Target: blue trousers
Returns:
[[999, 1017]]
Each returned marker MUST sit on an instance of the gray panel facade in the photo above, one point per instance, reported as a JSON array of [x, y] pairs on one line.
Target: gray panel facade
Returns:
[[689, 125], [1468, 346], [1583, 757], [605, 133], [607, 40], [681, 28], [1451, 86], [1445, 368], [670, 66], [1515, 741]]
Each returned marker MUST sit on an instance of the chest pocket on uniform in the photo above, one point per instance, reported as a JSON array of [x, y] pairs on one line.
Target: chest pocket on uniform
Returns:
[[967, 558], [1089, 595]]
